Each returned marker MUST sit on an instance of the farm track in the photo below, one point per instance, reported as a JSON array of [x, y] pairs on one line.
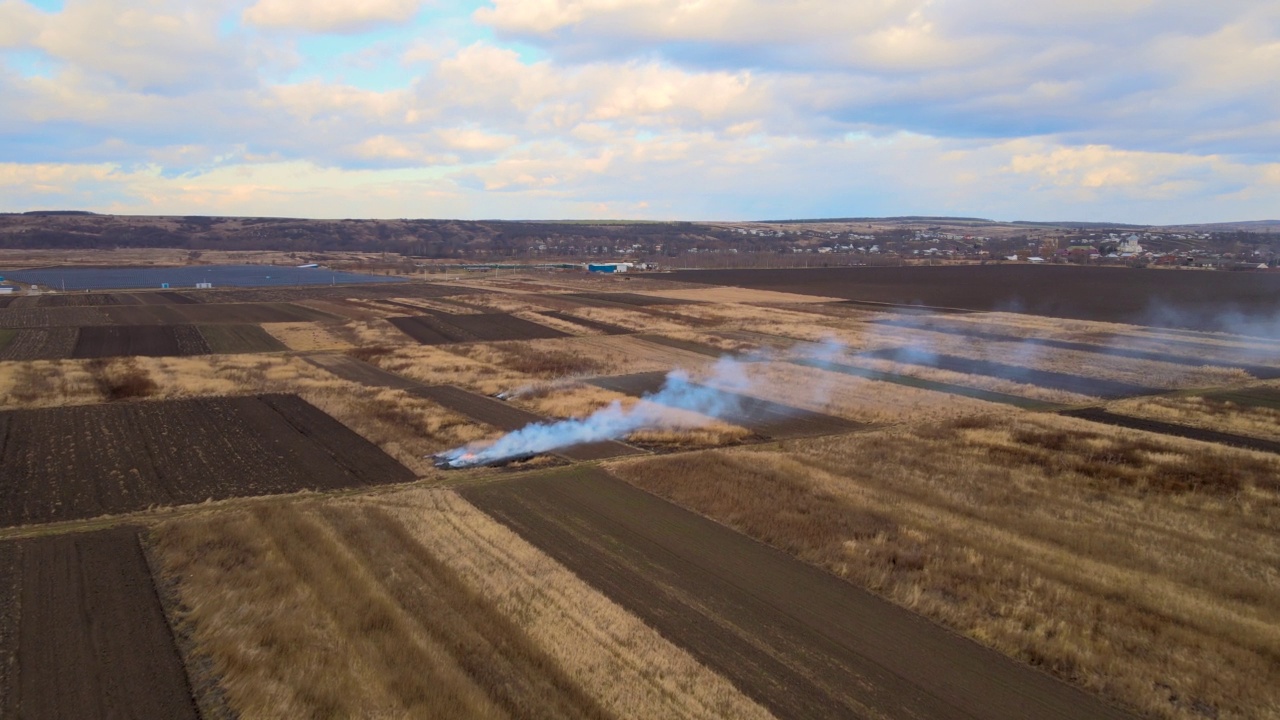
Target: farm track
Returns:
[[800, 641], [1261, 372], [87, 636], [1106, 417], [80, 462], [1044, 378], [1196, 300], [763, 417]]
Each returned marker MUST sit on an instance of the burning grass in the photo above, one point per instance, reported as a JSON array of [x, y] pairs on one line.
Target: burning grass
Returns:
[[1138, 566], [414, 604]]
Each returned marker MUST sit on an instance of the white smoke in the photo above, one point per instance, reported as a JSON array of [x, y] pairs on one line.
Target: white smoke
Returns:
[[679, 403]]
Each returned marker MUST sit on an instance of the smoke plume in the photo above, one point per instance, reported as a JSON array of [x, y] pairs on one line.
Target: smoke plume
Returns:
[[669, 407]]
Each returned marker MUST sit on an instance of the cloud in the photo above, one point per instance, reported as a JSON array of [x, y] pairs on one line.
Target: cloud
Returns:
[[329, 16], [1143, 110]]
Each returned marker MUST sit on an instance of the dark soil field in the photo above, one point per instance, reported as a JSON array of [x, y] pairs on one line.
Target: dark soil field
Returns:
[[797, 640], [78, 462], [239, 339], [500, 326], [1044, 378], [148, 340], [6, 336], [429, 330], [763, 417], [437, 328], [1155, 426], [88, 637], [235, 313], [34, 317], [1198, 354], [6, 300], [604, 328], [40, 344], [1197, 300]]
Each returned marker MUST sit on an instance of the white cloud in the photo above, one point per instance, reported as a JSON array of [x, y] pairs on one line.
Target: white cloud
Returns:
[[329, 16], [19, 22]]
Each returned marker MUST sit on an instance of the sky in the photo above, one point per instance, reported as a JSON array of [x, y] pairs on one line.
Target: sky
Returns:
[[1143, 111]]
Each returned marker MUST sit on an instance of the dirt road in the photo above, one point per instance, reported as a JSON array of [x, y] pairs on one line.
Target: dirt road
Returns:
[[800, 641]]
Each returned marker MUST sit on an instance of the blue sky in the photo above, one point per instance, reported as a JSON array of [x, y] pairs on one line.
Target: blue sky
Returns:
[[1149, 111]]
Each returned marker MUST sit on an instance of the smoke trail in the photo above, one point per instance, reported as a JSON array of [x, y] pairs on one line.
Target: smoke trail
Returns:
[[716, 399]]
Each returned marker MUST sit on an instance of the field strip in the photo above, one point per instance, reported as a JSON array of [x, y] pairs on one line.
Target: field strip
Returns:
[[768, 418], [1100, 415], [1261, 372], [489, 411], [91, 640], [923, 384], [798, 640], [1261, 397], [85, 461], [686, 345], [604, 328], [1044, 378]]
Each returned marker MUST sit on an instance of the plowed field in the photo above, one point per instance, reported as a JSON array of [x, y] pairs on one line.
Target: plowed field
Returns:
[[85, 636], [239, 339], [437, 328], [1197, 300], [148, 340], [79, 462], [797, 640], [40, 344]]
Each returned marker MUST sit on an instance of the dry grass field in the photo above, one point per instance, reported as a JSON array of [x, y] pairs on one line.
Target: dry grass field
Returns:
[[1138, 566], [414, 604]]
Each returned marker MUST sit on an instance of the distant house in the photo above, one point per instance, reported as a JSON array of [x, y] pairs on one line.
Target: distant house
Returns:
[[6, 289]]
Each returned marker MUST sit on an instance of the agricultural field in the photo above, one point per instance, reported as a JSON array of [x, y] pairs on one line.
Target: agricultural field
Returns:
[[117, 458], [796, 496], [83, 633]]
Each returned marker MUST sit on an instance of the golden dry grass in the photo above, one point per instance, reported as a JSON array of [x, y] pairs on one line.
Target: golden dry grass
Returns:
[[307, 336], [1140, 567], [630, 319], [414, 604]]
